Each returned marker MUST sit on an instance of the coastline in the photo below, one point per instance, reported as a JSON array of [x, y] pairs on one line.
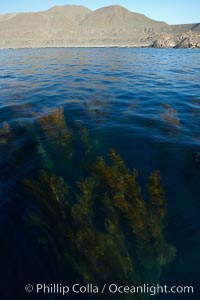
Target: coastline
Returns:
[[95, 46]]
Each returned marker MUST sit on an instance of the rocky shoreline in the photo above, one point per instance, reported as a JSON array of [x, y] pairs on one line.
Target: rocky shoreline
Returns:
[[180, 40]]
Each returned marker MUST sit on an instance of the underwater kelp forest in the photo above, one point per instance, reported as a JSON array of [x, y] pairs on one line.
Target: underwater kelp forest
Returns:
[[82, 216], [99, 173]]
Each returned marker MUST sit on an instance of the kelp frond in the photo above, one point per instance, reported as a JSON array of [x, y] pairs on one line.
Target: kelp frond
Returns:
[[103, 228]]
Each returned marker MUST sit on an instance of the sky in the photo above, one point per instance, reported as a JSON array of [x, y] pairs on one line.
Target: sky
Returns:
[[170, 11]]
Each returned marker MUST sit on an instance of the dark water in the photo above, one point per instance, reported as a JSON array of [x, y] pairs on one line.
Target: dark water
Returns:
[[145, 103]]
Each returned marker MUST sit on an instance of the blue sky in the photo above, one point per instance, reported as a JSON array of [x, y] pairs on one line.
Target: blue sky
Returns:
[[170, 11]]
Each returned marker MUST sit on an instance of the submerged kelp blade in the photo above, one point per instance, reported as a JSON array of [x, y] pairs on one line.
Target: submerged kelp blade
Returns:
[[5, 140], [119, 184], [102, 227], [56, 139]]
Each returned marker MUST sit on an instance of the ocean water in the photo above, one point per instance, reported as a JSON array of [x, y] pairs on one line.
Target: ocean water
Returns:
[[144, 103]]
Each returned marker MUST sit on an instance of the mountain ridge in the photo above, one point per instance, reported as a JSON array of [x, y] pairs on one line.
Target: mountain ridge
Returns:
[[76, 25]]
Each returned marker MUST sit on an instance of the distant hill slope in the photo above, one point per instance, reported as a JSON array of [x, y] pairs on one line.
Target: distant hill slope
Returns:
[[74, 25], [118, 16], [186, 27]]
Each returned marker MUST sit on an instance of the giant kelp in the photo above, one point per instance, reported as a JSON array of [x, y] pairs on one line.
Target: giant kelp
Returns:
[[56, 137], [5, 139], [101, 228], [5, 133]]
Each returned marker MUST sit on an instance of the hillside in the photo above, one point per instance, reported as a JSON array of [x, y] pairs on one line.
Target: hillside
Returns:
[[73, 25]]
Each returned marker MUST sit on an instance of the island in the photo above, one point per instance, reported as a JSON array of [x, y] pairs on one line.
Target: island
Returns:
[[78, 26]]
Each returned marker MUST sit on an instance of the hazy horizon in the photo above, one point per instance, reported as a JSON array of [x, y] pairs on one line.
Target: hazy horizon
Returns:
[[171, 12]]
